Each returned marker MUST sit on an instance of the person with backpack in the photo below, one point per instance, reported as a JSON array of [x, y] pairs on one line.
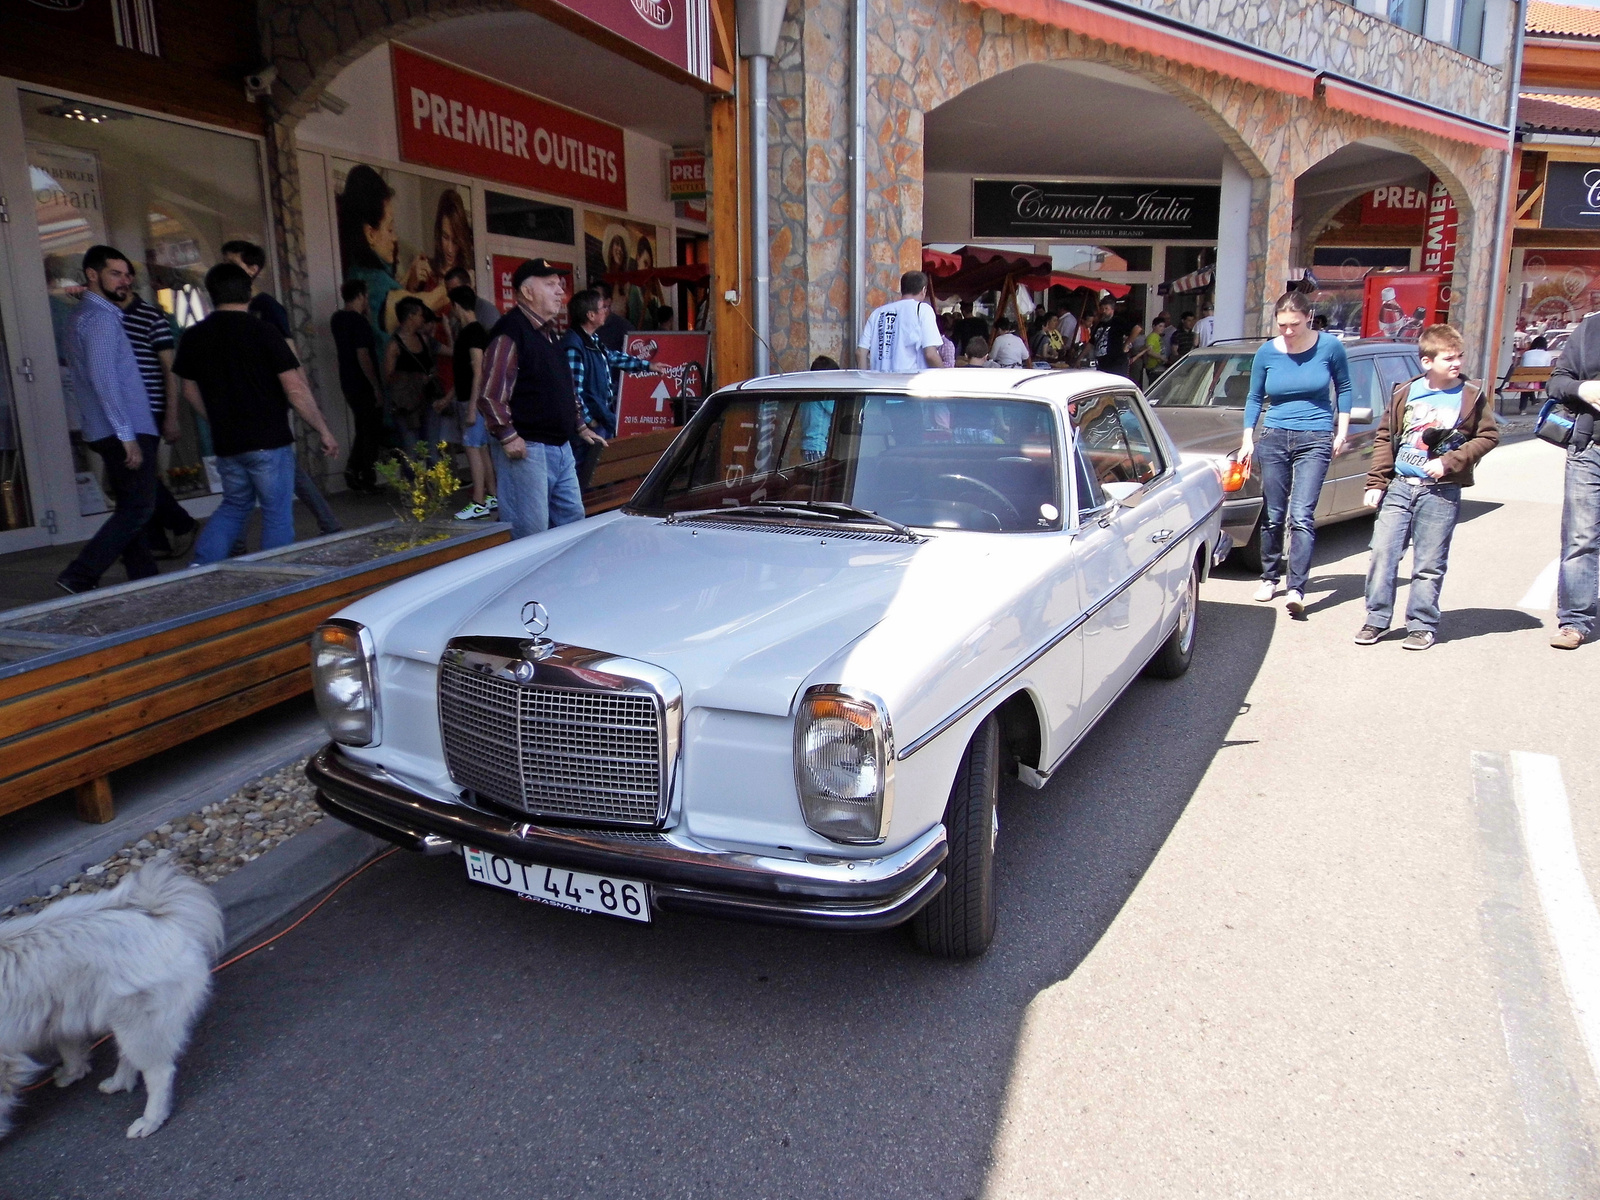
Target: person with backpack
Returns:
[[1432, 433], [1575, 386]]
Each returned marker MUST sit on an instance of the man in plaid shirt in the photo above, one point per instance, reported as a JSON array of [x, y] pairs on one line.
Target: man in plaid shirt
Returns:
[[594, 366]]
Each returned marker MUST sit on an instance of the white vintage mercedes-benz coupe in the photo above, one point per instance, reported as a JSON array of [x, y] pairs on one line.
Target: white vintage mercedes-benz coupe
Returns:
[[782, 683]]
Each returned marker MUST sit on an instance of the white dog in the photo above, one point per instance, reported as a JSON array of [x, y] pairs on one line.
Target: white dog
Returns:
[[134, 961]]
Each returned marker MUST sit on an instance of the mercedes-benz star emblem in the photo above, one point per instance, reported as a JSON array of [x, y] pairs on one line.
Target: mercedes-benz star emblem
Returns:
[[535, 618]]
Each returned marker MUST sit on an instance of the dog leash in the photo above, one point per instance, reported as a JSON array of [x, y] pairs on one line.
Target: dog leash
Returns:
[[243, 954]]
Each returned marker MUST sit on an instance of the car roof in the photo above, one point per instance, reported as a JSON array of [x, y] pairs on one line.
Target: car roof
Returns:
[[1370, 345], [999, 382]]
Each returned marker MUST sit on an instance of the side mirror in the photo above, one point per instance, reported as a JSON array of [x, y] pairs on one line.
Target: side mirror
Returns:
[[1123, 493], [1360, 416]]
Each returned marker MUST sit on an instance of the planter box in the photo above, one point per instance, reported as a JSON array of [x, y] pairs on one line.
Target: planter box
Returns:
[[95, 682]]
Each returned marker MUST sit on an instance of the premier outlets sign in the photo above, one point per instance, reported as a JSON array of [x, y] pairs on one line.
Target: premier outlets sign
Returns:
[[459, 121], [676, 31], [1009, 208], [1571, 196]]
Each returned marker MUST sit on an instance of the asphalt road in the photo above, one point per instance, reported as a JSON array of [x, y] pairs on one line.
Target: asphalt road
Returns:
[[1272, 931]]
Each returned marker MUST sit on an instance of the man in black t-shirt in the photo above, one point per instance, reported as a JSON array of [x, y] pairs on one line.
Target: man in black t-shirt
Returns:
[[358, 379], [241, 375], [1109, 338], [264, 305]]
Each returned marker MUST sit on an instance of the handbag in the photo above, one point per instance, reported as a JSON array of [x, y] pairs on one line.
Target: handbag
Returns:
[[1555, 424]]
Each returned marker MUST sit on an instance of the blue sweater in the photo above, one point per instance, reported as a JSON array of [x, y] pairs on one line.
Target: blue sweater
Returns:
[[1295, 386]]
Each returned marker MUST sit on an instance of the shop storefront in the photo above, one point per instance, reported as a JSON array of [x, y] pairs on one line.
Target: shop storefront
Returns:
[[433, 154], [122, 156], [1554, 277]]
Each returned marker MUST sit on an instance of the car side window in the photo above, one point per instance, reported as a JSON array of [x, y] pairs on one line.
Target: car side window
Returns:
[[1103, 442], [1141, 439], [1090, 496], [1367, 391], [1395, 370]]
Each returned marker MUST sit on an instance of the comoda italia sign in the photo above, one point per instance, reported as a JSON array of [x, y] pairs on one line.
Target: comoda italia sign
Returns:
[[1006, 208], [459, 121]]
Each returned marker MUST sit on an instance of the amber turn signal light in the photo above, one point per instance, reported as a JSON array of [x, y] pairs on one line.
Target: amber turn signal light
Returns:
[[1234, 475]]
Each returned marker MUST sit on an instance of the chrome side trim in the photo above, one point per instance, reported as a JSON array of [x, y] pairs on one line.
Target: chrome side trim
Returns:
[[1053, 641]]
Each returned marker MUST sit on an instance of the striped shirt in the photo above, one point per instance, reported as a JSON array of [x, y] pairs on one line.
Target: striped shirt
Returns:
[[111, 396], [149, 334]]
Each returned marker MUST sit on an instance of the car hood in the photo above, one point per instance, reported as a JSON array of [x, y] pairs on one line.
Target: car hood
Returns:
[[740, 616]]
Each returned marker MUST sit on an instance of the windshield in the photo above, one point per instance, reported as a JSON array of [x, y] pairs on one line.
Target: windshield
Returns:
[[1204, 381], [987, 465]]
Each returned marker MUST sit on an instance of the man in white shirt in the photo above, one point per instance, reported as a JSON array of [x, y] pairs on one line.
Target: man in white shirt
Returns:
[[1205, 330], [1009, 350], [903, 335]]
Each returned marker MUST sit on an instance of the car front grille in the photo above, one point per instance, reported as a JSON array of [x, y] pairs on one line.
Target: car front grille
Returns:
[[554, 751]]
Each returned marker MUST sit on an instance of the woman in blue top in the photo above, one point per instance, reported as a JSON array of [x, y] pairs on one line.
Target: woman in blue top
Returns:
[[1304, 381]]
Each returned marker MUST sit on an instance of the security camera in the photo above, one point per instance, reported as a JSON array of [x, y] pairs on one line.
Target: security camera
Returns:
[[260, 84]]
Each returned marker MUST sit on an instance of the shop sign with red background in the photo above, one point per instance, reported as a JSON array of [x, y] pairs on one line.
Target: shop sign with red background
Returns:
[[1439, 243], [505, 299], [1399, 305], [645, 404], [686, 175], [1394, 205], [459, 121], [678, 31]]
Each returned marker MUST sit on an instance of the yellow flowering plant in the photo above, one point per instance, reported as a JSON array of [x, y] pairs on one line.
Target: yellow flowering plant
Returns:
[[426, 491]]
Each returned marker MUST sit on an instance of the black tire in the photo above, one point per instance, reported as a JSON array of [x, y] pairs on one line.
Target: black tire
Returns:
[[1248, 555], [959, 922], [1177, 652]]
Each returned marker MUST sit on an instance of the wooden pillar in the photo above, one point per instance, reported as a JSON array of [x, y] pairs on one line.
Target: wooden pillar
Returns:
[[732, 337], [94, 800]]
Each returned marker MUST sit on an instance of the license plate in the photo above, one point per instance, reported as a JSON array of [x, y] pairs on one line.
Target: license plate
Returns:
[[557, 886]]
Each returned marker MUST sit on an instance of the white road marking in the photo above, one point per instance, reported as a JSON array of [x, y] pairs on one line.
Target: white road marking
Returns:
[[1541, 596], [1563, 891]]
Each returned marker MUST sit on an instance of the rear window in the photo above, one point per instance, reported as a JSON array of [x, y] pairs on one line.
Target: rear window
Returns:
[[1204, 381]]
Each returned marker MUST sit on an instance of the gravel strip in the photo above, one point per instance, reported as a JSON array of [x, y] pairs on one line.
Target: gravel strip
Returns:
[[216, 841]]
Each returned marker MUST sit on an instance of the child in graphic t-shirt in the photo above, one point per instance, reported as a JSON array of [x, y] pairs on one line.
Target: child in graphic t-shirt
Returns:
[[1432, 433]]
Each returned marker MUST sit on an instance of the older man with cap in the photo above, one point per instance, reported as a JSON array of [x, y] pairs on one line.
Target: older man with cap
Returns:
[[531, 407]]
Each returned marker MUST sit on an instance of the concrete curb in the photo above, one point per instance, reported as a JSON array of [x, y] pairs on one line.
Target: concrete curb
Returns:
[[263, 893]]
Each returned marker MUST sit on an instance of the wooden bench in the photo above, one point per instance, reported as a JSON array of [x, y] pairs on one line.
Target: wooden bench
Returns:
[[1531, 380], [70, 722], [622, 467]]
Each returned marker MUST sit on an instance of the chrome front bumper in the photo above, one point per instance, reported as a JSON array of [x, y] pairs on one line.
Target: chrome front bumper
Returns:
[[685, 875]]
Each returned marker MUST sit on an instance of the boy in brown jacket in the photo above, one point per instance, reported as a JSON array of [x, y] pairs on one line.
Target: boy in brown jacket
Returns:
[[1433, 432]]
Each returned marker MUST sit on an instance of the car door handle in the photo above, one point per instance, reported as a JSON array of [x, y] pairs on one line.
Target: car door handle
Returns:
[[1161, 535]]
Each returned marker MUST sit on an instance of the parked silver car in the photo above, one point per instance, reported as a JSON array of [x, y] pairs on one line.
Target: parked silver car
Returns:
[[1200, 401]]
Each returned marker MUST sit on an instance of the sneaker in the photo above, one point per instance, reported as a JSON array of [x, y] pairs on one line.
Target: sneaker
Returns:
[[1368, 635], [473, 511], [491, 503], [1295, 603], [1567, 638], [1267, 590], [1418, 639]]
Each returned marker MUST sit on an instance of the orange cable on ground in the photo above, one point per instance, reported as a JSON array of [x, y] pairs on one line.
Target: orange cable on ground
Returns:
[[263, 945]]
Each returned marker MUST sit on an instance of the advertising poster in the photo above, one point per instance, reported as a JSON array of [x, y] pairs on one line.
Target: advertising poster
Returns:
[[649, 403], [1559, 289], [401, 234], [505, 265], [1399, 306], [613, 244]]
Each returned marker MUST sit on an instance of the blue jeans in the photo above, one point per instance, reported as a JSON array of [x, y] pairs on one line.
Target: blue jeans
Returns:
[[1427, 515], [1293, 463], [538, 491], [1579, 580], [264, 476]]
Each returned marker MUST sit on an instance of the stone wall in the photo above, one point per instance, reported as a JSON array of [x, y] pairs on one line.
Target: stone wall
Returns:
[[922, 53]]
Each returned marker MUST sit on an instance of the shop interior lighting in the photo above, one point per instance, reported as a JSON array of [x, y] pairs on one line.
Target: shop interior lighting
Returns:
[[93, 114]]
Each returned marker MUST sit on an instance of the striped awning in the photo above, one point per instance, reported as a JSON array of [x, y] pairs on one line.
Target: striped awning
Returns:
[[1195, 281]]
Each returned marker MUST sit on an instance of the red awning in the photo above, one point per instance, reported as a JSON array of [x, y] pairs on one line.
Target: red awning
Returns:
[[973, 270], [687, 273]]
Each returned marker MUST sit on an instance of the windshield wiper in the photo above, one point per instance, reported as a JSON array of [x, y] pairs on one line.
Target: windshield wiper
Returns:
[[851, 512], [827, 510]]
